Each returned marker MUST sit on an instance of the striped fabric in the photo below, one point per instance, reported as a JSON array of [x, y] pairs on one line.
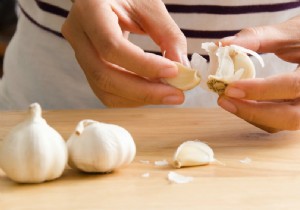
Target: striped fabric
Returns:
[[199, 20], [202, 21], [47, 71]]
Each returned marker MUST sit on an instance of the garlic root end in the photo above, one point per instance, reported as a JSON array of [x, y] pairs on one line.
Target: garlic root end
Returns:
[[82, 125]]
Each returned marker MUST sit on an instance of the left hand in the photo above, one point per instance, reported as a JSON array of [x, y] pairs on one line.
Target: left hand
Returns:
[[272, 103]]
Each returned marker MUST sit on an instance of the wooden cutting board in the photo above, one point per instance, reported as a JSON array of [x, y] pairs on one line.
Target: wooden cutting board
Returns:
[[259, 170]]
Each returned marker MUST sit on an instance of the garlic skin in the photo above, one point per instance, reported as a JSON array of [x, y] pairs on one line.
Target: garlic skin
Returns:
[[186, 79], [100, 147], [193, 153], [228, 64], [33, 152], [178, 178]]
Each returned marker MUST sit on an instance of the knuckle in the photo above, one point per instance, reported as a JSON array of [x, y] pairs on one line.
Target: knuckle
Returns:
[[251, 116], [295, 86], [108, 102], [109, 49], [254, 34], [65, 29], [148, 98], [102, 80], [255, 31]]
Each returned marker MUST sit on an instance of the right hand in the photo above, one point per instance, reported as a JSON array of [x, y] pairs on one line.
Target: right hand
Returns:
[[119, 72], [272, 103]]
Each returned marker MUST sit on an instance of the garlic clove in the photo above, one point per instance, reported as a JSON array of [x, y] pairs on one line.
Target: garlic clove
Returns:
[[100, 147], [250, 52], [243, 62], [229, 64], [193, 153], [33, 152], [186, 79]]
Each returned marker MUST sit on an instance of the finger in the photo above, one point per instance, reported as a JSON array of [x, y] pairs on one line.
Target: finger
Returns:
[[289, 53], [283, 86], [106, 35], [157, 22], [105, 77], [273, 115], [129, 86], [265, 128], [267, 38], [113, 101]]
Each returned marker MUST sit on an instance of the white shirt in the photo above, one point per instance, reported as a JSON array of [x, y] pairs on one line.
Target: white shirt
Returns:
[[40, 66]]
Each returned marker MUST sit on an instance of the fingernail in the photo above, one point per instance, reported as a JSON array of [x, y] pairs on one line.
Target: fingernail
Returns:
[[173, 99], [185, 61], [168, 72], [227, 105], [234, 92], [228, 39]]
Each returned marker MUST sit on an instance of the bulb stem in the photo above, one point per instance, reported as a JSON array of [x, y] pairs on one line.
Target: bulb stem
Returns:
[[35, 111], [82, 125]]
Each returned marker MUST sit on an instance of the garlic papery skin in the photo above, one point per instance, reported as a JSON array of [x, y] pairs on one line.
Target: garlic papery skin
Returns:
[[100, 147], [193, 153], [229, 64], [186, 79], [33, 152]]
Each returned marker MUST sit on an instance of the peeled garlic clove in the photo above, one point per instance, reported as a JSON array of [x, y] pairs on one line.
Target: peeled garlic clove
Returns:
[[229, 64], [193, 153], [33, 152], [186, 78], [100, 147]]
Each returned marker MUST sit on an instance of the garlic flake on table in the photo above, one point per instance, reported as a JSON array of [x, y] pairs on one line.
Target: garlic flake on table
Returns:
[[178, 178], [100, 147], [33, 152], [193, 153], [186, 79], [228, 64]]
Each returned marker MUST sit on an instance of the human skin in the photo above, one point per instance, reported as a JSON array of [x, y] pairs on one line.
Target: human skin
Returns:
[[120, 73], [271, 103]]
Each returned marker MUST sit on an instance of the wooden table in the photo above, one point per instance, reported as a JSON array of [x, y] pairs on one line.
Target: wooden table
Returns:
[[271, 180]]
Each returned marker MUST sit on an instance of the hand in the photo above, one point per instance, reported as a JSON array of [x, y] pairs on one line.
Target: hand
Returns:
[[120, 73], [273, 103]]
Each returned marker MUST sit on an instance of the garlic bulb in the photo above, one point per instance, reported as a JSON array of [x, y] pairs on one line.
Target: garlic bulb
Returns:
[[100, 147], [33, 152], [193, 153], [186, 79], [228, 64]]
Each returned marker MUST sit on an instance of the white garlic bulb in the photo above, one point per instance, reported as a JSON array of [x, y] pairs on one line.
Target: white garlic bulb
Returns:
[[228, 64], [33, 152], [186, 79], [193, 153], [100, 147]]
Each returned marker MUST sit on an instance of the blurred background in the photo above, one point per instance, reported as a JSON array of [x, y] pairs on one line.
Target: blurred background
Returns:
[[8, 20]]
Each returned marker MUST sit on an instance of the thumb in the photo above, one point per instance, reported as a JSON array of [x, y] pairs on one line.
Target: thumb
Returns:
[[265, 39]]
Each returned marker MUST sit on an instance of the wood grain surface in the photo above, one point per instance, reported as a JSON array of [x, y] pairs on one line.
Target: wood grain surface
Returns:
[[271, 180]]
